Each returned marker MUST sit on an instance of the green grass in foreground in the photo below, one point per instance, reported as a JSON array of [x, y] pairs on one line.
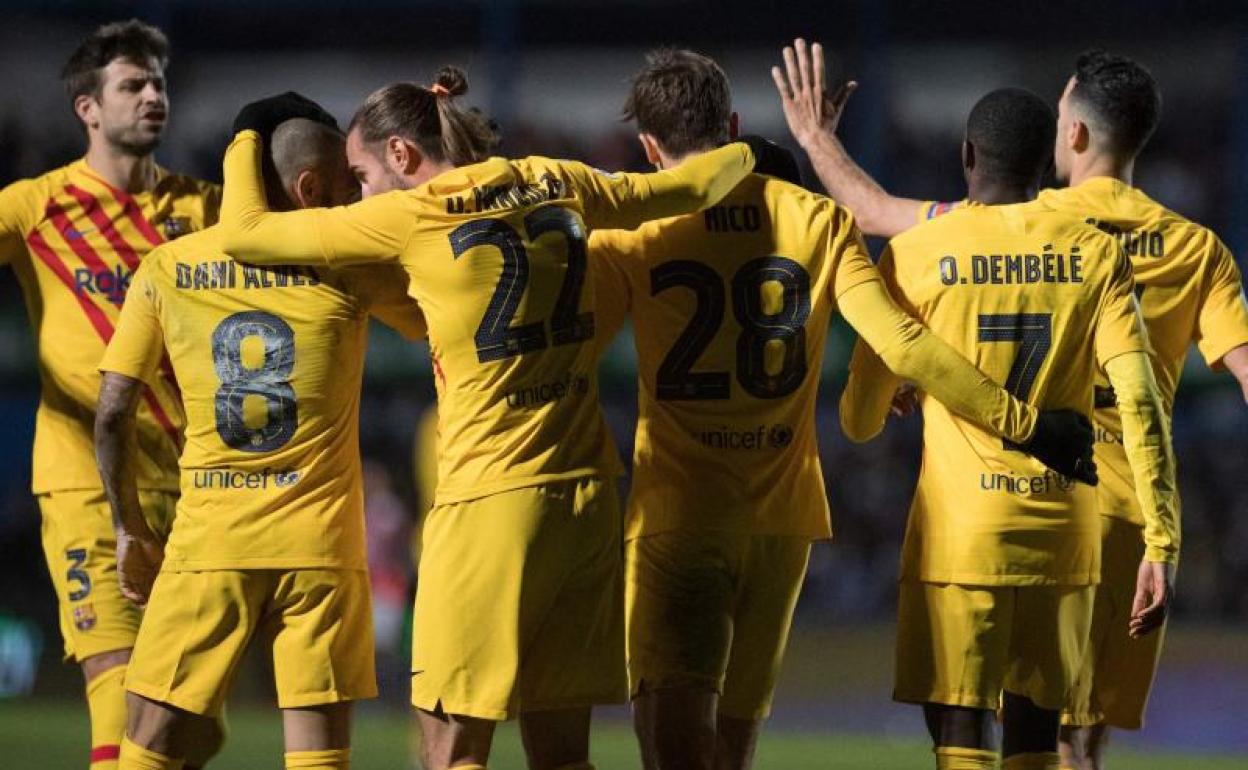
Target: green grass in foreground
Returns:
[[53, 734]]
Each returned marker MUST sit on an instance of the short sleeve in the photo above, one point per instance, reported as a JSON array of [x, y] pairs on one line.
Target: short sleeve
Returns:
[[1119, 326], [16, 210], [1222, 322], [138, 342]]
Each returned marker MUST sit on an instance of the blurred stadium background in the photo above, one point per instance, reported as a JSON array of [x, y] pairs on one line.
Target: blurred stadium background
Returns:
[[553, 72]]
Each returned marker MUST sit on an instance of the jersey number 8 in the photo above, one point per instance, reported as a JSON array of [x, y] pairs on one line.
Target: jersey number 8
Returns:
[[270, 381]]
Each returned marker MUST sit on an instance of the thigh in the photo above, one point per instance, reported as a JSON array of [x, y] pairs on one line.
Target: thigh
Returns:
[[1124, 668], [771, 582], [681, 591], [320, 624], [572, 603], [80, 546], [195, 631], [477, 586], [952, 643], [1049, 641]]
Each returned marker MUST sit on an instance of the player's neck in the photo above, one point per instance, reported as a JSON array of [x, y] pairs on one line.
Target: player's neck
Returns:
[[1102, 165], [994, 192], [132, 173]]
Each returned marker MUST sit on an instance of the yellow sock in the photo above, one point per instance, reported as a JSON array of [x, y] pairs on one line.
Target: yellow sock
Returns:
[[1039, 760], [106, 702], [958, 758], [329, 759], [135, 757]]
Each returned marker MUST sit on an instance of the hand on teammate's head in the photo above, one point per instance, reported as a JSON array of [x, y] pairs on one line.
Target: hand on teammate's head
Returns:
[[265, 115], [772, 159]]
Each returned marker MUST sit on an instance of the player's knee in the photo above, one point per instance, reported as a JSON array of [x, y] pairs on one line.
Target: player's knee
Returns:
[[105, 661], [152, 725]]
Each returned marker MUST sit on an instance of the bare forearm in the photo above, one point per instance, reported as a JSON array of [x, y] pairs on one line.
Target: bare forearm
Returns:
[[876, 211], [115, 449]]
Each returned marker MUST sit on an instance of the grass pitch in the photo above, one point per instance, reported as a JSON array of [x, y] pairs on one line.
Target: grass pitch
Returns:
[[53, 734]]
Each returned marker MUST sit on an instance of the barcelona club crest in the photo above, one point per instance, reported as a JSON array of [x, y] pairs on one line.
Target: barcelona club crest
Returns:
[[176, 227], [84, 617]]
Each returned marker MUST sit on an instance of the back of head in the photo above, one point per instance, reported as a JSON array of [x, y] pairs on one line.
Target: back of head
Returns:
[[682, 99], [301, 145], [1118, 99], [1011, 131], [429, 118], [130, 40]]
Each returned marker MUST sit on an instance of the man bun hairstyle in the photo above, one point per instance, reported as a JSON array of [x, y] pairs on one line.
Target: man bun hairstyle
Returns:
[[1012, 132], [1119, 98], [682, 99], [429, 118], [132, 40]]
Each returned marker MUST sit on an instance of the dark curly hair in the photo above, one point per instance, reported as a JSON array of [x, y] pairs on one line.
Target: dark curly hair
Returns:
[[132, 40], [1119, 97]]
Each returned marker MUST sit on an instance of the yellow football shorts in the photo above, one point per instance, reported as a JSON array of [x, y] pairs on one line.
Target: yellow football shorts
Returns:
[[80, 546], [962, 645], [520, 602], [317, 624], [711, 610], [1117, 673]]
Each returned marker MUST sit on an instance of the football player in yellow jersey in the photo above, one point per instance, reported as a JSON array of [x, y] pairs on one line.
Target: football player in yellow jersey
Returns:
[[731, 309], [1000, 561], [268, 541], [519, 605], [1189, 289], [74, 238]]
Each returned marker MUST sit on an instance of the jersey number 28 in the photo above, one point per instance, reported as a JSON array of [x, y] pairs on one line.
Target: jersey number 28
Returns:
[[676, 379]]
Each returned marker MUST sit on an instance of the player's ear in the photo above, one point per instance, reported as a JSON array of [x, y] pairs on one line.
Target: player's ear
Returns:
[[308, 190], [734, 126], [968, 155], [402, 156], [87, 109], [651, 146], [1077, 136]]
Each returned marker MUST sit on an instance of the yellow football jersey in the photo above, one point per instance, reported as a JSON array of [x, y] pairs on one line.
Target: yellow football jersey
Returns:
[[932, 209], [270, 361], [1189, 290], [730, 309], [496, 256], [74, 242], [1035, 299]]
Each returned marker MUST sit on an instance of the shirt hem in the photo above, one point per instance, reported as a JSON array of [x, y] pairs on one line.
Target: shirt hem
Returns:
[[980, 579], [215, 565], [463, 495]]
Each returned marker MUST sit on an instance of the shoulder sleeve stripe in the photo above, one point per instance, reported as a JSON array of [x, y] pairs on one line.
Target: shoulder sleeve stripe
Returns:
[[95, 212], [78, 245], [48, 256], [102, 325]]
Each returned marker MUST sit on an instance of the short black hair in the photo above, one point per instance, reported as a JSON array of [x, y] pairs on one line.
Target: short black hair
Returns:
[[1121, 97], [133, 40], [1012, 132], [682, 99]]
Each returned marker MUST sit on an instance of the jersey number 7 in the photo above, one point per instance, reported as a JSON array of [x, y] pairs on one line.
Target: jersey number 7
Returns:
[[1034, 333]]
